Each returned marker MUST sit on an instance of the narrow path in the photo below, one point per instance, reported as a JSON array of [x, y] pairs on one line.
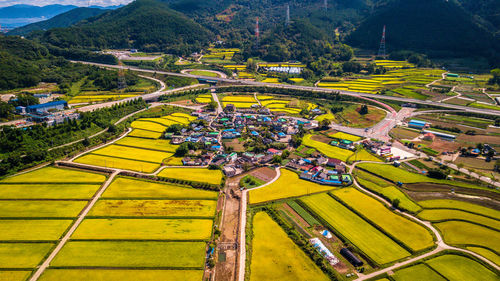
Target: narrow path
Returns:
[[216, 99], [441, 245], [75, 225], [243, 224]]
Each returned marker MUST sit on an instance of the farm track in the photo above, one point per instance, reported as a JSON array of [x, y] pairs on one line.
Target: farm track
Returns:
[[441, 245], [75, 225]]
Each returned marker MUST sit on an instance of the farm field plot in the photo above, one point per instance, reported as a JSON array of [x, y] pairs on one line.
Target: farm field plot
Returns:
[[204, 73], [133, 153], [436, 215], [386, 190], [326, 149], [41, 209], [148, 126], [345, 136], [160, 144], [413, 235], [327, 116], [459, 268], [154, 208], [144, 229], [397, 174], [288, 185], [122, 188], [205, 98], [177, 119], [460, 205], [34, 230], [190, 118], [380, 248], [417, 272], [249, 99], [47, 191], [118, 163], [363, 155], [276, 257], [464, 233], [239, 104], [121, 275], [193, 174], [131, 254], [144, 134], [23, 255], [16, 275], [56, 175], [161, 121], [486, 253]]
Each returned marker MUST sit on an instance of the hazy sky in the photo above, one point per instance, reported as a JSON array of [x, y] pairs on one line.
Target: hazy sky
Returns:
[[82, 3]]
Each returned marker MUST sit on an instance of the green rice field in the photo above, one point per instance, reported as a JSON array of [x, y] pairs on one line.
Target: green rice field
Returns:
[[417, 272], [193, 174], [122, 188], [131, 254], [120, 275], [118, 163], [463, 233], [288, 185], [17, 275], [154, 208], [48, 191], [23, 255], [460, 205], [437, 215], [34, 230], [459, 268], [144, 229], [380, 248], [56, 175], [410, 233], [276, 257], [40, 209]]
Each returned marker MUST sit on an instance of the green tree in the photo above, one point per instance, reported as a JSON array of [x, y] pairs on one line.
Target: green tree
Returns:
[[363, 110]]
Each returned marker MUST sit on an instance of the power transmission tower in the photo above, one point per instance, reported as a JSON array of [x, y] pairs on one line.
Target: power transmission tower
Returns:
[[122, 82], [257, 33], [287, 23], [381, 50]]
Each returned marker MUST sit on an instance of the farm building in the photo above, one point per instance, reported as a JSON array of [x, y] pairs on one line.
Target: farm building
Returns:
[[323, 250], [454, 75], [46, 107], [349, 256], [417, 124], [441, 135]]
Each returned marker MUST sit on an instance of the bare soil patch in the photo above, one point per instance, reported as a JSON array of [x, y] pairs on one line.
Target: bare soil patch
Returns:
[[433, 187], [321, 138]]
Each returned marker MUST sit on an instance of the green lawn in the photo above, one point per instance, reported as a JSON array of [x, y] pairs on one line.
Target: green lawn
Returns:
[[23, 255], [288, 185], [417, 272], [131, 254], [276, 257], [459, 268], [367, 238], [122, 188], [204, 73], [144, 229], [412, 234], [121, 275]]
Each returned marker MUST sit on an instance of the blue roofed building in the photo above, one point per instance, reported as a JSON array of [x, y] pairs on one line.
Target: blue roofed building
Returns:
[[417, 124], [46, 107]]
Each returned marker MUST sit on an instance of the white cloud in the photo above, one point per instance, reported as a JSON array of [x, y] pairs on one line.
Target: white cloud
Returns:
[[82, 3]]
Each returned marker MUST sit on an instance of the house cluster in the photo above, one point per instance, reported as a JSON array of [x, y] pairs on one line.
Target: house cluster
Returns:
[[208, 140], [380, 148], [326, 171], [345, 144], [236, 164]]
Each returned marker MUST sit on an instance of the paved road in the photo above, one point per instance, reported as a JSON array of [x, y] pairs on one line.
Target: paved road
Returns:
[[77, 223], [342, 92], [243, 223]]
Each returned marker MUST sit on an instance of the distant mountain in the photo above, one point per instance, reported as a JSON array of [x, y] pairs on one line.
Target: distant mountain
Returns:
[[435, 27], [20, 15], [487, 12], [144, 24], [62, 20]]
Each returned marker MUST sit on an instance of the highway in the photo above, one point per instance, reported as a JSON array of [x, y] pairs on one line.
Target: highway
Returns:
[[306, 88]]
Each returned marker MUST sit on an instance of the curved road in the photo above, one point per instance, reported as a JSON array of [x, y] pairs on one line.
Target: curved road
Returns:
[[342, 92]]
